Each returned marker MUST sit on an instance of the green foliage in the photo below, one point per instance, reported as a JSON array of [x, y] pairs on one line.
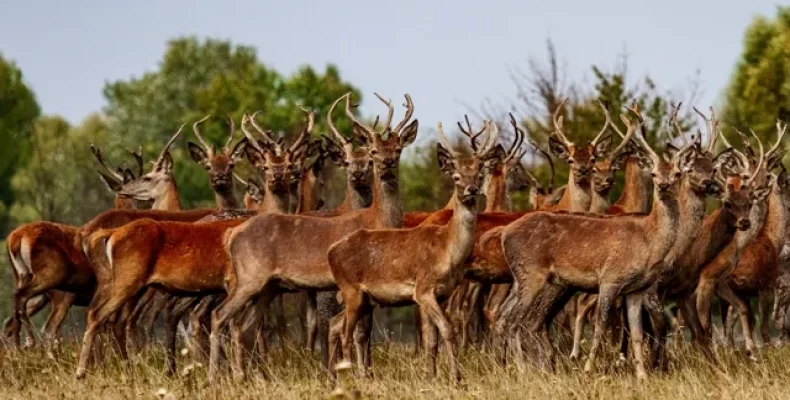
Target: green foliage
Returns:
[[18, 110], [196, 78], [759, 90]]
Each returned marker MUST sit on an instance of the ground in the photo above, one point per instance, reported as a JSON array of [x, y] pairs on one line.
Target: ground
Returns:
[[292, 374]]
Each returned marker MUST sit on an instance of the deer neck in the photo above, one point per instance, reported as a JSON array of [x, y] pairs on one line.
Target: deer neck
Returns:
[[308, 193], [691, 212], [662, 226], [294, 191], [387, 204], [599, 202], [636, 189], [497, 195], [274, 202], [576, 196], [775, 224], [462, 232], [226, 200], [122, 203], [169, 200]]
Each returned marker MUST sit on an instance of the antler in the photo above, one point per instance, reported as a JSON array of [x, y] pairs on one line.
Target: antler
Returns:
[[640, 138], [208, 148], [409, 112], [249, 136], [265, 134], [491, 140], [605, 124], [100, 158], [711, 125], [335, 133], [390, 113], [444, 141], [232, 131], [138, 158], [169, 143], [468, 132], [305, 133], [370, 131], [515, 148], [558, 123], [240, 179], [781, 129]]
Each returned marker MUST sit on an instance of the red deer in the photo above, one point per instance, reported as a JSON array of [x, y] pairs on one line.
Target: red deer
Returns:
[[276, 253], [184, 259], [554, 254], [369, 265]]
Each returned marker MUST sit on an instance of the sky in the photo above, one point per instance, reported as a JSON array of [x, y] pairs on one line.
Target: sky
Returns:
[[449, 55]]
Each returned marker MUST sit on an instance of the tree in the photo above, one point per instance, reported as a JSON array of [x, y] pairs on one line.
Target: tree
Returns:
[[196, 78], [759, 90], [18, 110]]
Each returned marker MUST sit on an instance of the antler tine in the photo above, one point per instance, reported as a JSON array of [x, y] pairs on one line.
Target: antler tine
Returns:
[[100, 158], [610, 122], [708, 123], [390, 111], [351, 116], [443, 139], [232, 131], [493, 137], [517, 141], [138, 158], [640, 138], [558, 122], [714, 125], [780, 133], [199, 137], [240, 179], [759, 163], [676, 122], [468, 133], [548, 158], [605, 124], [343, 140], [244, 119], [306, 132], [409, 112], [170, 142], [277, 146]]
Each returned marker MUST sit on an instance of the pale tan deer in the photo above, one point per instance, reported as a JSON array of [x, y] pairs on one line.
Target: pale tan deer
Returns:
[[274, 253], [554, 254], [369, 265]]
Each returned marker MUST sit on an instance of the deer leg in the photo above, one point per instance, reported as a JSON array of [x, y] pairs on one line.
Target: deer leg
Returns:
[[781, 301], [173, 317], [764, 306], [197, 328], [134, 342], [586, 302], [655, 308], [354, 300], [704, 293], [606, 296], [634, 309], [311, 319], [281, 326], [61, 303], [336, 326], [688, 310], [235, 302], [21, 297], [427, 301], [34, 305], [725, 292]]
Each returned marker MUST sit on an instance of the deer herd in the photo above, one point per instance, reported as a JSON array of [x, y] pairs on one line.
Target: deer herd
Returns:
[[476, 274]]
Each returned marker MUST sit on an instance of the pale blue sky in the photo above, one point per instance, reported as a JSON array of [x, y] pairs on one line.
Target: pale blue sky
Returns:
[[445, 53]]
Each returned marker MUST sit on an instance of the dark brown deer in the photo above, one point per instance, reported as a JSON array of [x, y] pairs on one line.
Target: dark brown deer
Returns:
[[369, 265], [554, 254], [184, 259], [295, 258]]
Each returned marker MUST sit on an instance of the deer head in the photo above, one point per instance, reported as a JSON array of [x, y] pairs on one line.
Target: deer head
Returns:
[[158, 180], [467, 172], [268, 157], [385, 147], [253, 196], [219, 164], [580, 158], [356, 161], [604, 170], [115, 179]]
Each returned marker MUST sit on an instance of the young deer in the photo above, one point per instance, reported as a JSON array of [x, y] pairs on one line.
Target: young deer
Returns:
[[181, 258], [369, 265], [263, 269], [543, 250]]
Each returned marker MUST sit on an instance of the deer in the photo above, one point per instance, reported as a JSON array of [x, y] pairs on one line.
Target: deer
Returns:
[[58, 262], [541, 249], [184, 259], [253, 196], [114, 179], [369, 264], [261, 271]]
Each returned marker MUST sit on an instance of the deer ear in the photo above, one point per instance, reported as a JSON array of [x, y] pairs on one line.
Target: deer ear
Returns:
[[252, 188], [498, 154], [559, 149], [644, 161], [445, 160], [671, 150], [335, 153], [313, 148], [255, 157], [409, 133], [603, 145], [760, 194], [167, 164], [686, 159], [127, 174], [238, 151], [198, 154], [619, 161], [726, 162], [360, 133]]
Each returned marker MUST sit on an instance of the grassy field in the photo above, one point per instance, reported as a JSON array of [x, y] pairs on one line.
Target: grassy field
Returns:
[[292, 374]]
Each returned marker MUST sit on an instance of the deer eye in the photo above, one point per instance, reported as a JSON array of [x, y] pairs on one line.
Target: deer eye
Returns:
[[456, 178], [570, 161], [653, 174], [677, 174], [147, 179]]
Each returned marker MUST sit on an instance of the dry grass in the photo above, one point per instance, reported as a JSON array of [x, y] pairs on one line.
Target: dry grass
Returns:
[[29, 374]]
